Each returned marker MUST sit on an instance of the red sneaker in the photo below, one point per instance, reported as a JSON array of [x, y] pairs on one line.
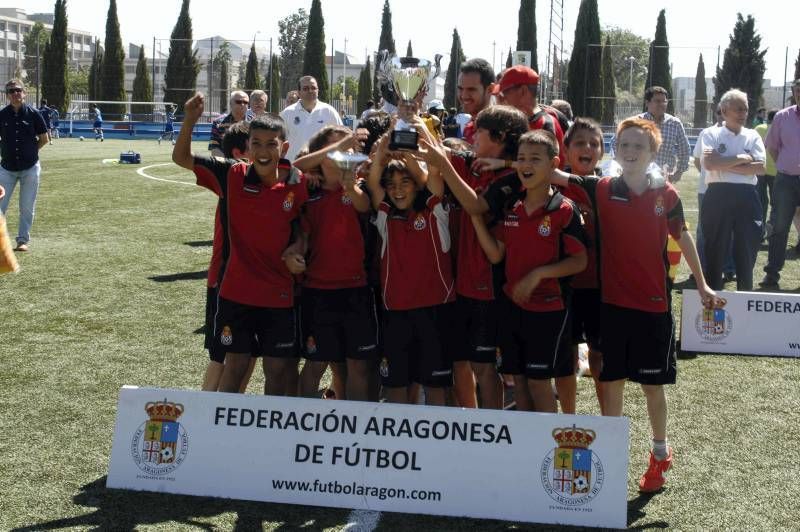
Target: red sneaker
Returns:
[[655, 476]]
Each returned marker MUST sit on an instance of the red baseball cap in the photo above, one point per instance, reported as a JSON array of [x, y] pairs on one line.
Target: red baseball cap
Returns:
[[514, 76]]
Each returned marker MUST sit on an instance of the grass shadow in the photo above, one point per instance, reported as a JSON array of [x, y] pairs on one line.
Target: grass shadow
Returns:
[[184, 276], [198, 243], [636, 512], [126, 510]]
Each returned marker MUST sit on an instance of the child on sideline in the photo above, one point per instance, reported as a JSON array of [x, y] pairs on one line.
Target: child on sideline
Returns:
[[256, 292], [416, 275], [337, 317], [635, 212], [542, 240], [97, 121]]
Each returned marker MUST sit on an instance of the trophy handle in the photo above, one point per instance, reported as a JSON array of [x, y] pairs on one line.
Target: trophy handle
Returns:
[[437, 62]]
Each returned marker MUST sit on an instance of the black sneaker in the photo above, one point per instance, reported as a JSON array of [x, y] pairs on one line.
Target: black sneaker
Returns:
[[728, 277], [770, 281]]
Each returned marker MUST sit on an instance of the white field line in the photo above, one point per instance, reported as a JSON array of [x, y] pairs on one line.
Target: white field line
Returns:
[[143, 172], [362, 521]]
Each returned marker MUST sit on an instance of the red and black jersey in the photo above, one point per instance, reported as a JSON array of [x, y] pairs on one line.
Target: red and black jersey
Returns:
[[259, 219], [219, 245], [634, 268], [415, 255], [545, 236], [335, 241], [588, 277], [474, 272], [548, 120]]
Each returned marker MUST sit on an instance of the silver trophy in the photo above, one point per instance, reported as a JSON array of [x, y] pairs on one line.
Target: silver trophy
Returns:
[[347, 161], [409, 78]]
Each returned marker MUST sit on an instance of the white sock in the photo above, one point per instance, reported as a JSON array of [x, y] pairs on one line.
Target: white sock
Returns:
[[660, 449]]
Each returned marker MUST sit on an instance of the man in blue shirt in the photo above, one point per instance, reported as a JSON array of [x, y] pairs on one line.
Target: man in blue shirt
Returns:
[[22, 134], [47, 113]]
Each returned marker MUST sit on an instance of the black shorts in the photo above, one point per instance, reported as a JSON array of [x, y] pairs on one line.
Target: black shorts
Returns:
[[418, 345], [338, 324], [535, 344], [238, 324], [637, 345], [586, 310], [476, 330]]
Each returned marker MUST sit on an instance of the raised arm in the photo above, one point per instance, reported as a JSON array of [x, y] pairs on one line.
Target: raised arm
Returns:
[[493, 248], [380, 157], [466, 196], [182, 152]]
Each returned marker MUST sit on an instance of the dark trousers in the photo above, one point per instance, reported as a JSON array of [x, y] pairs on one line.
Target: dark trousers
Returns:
[[731, 211], [786, 198], [765, 194]]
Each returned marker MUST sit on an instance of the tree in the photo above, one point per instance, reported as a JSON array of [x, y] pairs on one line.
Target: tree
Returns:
[[409, 51], [94, 72], [314, 57], [743, 64], [54, 74], [182, 63], [629, 74], [221, 72], [509, 59], [584, 83], [700, 96], [364, 87], [451, 80], [251, 76], [526, 31], [385, 42], [351, 88], [292, 43], [35, 43], [112, 73], [275, 85], [142, 86], [78, 78], [797, 67], [609, 86], [658, 69]]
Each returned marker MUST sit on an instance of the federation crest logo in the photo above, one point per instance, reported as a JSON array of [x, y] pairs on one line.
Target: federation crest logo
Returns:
[[288, 202], [572, 474], [160, 444], [311, 345], [544, 227], [226, 338], [659, 206], [384, 368], [419, 222], [713, 325]]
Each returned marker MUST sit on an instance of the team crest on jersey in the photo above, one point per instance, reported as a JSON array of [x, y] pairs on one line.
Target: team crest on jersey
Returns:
[[226, 338], [296, 120], [346, 200], [659, 206], [419, 222], [544, 227], [311, 345], [384, 368], [288, 202], [722, 147]]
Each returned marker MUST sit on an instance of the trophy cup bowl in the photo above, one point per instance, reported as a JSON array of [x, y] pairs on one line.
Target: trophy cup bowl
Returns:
[[347, 161], [409, 77]]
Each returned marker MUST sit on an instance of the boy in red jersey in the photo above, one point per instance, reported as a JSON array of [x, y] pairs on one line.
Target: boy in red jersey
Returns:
[[635, 213], [338, 309], [542, 241], [416, 277], [256, 293]]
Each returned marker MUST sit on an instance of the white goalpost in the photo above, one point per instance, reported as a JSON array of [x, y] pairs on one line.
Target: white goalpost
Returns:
[[78, 106]]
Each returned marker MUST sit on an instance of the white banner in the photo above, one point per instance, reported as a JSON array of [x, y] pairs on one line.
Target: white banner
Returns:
[[752, 323], [514, 466]]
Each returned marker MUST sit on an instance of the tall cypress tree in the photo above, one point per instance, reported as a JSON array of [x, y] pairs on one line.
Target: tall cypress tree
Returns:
[[658, 71], [275, 85], [182, 63], [409, 51], [54, 78], [385, 42], [797, 67], [142, 87], [526, 31], [700, 95], [112, 75], [743, 64], [251, 71], [609, 86], [583, 82], [509, 59], [314, 57], [94, 72], [364, 87], [451, 80]]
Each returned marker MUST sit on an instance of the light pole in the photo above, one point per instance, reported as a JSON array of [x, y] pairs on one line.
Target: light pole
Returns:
[[630, 77]]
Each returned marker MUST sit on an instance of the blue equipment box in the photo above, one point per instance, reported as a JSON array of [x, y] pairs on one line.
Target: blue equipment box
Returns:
[[130, 157]]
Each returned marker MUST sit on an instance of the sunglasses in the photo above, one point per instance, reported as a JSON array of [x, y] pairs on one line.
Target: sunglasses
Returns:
[[12, 91], [241, 102]]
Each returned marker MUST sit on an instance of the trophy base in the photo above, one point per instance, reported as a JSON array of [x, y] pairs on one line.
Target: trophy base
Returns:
[[404, 140]]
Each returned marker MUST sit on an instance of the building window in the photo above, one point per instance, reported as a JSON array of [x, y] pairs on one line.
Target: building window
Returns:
[[12, 28]]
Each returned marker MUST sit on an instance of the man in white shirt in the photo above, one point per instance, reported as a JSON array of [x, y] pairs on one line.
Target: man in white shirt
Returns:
[[732, 155], [307, 116]]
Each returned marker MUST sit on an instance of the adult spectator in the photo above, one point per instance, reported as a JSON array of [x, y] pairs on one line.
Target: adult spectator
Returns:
[[307, 116], [23, 133], [258, 103], [761, 117], [565, 108], [732, 155], [766, 181], [239, 103], [783, 143], [673, 155], [475, 80], [292, 97], [47, 114], [450, 126]]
